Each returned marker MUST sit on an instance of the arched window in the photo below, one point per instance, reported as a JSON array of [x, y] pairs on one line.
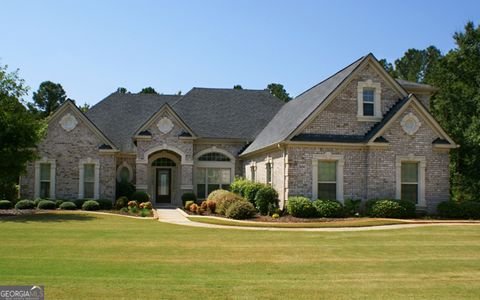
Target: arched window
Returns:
[[214, 156], [163, 162]]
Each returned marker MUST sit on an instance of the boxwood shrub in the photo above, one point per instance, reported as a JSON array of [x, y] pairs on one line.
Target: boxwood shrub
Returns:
[[105, 204], [121, 202], [241, 210], [387, 209], [58, 202], [46, 204], [266, 200], [238, 186], [188, 196], [470, 209], [5, 204], [140, 197], [37, 201], [91, 205], [25, 204], [79, 202], [68, 205], [224, 201], [216, 194], [300, 207], [328, 208]]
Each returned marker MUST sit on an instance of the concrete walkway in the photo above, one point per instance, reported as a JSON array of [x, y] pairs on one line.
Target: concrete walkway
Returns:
[[178, 217]]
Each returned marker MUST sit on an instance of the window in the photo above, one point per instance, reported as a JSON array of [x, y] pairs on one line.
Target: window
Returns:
[[163, 162], [45, 169], [368, 102], [327, 180], [210, 179], [214, 156], [89, 181], [269, 172], [409, 182], [252, 173]]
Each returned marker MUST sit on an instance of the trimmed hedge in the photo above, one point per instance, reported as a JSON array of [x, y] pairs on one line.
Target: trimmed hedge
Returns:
[[408, 211], [79, 202], [300, 207], [37, 201], [25, 204], [68, 205], [224, 201], [105, 204], [328, 208], [121, 202], [58, 202], [217, 193], [140, 197], [241, 210], [238, 186], [46, 204], [91, 205], [5, 204], [266, 200], [387, 209], [188, 196]]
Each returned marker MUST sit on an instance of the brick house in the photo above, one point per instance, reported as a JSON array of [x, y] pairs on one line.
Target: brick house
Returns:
[[359, 134]]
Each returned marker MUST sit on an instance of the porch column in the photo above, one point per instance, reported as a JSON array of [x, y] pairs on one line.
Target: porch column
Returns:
[[141, 178]]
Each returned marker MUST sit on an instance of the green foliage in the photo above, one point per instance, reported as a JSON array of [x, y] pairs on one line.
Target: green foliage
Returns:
[[46, 204], [20, 132], [145, 205], [188, 196], [105, 204], [58, 202], [68, 205], [279, 91], [449, 210], [250, 190], [300, 207], [140, 197], [216, 193], [224, 201], [37, 201], [387, 209], [25, 204], [409, 206], [266, 200], [79, 202], [352, 207], [91, 205], [121, 202], [121, 90], [328, 208], [148, 90], [241, 210], [5, 204], [237, 87], [238, 186], [125, 189], [85, 107], [144, 212], [470, 209], [47, 99]]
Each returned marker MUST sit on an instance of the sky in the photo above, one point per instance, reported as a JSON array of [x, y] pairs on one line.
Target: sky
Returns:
[[93, 47]]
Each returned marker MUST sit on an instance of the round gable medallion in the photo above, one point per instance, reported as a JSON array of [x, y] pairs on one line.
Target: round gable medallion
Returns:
[[165, 125], [68, 122], [410, 124]]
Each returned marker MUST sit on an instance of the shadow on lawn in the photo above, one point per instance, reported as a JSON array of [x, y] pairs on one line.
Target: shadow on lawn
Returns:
[[46, 217]]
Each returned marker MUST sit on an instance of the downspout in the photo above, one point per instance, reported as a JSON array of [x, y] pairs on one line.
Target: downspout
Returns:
[[285, 173]]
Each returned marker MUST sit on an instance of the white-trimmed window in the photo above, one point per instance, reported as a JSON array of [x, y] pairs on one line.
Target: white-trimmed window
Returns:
[[89, 179], [45, 178], [369, 105], [327, 176], [410, 177], [214, 170], [268, 167]]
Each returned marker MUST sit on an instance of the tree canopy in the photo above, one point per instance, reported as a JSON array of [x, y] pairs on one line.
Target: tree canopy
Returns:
[[47, 98], [20, 131], [279, 91], [148, 90], [122, 90], [237, 87]]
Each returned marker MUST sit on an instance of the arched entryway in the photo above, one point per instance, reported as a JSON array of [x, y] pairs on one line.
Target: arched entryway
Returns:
[[164, 177]]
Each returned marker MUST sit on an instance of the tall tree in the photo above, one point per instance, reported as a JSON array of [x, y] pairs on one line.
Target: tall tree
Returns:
[[122, 90], [237, 87], [47, 98], [85, 107], [20, 131], [279, 91], [148, 90]]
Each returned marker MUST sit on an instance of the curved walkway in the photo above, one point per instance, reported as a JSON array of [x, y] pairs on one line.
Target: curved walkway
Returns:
[[178, 217]]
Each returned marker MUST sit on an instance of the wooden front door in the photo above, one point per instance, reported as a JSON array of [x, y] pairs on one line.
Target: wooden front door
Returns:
[[164, 185]]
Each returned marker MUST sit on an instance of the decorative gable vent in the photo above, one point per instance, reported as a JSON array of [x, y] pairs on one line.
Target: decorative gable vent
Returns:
[[68, 122], [410, 124], [165, 125]]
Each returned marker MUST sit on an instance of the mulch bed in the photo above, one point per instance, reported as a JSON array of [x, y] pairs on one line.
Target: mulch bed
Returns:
[[16, 212]]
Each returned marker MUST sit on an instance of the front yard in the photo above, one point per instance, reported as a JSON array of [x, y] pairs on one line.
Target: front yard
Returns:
[[85, 256]]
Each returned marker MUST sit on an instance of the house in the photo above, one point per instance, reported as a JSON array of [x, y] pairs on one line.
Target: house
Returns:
[[359, 134]]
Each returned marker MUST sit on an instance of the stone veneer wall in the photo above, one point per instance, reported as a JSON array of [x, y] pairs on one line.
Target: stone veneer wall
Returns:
[[68, 148]]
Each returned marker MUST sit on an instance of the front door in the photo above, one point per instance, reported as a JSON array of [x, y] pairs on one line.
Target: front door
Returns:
[[164, 185]]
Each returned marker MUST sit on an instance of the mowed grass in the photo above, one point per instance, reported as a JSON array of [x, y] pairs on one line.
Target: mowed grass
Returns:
[[87, 256], [360, 222]]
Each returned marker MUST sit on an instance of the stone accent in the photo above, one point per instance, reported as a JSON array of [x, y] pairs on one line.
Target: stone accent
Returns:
[[232, 148]]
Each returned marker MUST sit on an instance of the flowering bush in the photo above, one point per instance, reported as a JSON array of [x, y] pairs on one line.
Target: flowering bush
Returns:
[[132, 204], [193, 208], [146, 205]]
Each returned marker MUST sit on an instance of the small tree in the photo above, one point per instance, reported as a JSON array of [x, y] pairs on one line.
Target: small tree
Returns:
[[279, 91], [122, 90], [148, 90], [47, 98]]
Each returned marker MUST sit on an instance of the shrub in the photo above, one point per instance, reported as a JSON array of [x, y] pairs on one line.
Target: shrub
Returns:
[[5, 204], [145, 212], [409, 206], [124, 210], [79, 202], [300, 207], [58, 203], [251, 189], [217, 193], [328, 208], [91, 205], [188, 203], [266, 200], [203, 205], [449, 210], [46, 204], [132, 204], [68, 206], [140, 197], [369, 204], [121, 202], [352, 207], [146, 205], [238, 186], [125, 189], [37, 201], [200, 210], [25, 204], [105, 204], [275, 216], [387, 209], [224, 201], [210, 206], [133, 209], [193, 207], [470, 209], [188, 196], [241, 210]]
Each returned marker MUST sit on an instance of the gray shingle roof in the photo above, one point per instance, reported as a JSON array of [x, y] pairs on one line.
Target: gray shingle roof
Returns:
[[297, 110], [415, 85], [210, 113]]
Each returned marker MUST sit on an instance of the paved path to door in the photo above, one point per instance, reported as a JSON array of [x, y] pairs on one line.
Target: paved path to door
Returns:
[[177, 216]]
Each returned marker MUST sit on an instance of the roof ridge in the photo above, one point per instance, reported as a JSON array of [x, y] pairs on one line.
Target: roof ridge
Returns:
[[229, 89]]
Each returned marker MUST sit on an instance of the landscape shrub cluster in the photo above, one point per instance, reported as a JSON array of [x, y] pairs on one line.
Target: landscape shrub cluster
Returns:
[[459, 210]]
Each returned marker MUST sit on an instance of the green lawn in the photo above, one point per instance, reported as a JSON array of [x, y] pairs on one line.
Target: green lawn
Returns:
[[360, 222], [87, 256]]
